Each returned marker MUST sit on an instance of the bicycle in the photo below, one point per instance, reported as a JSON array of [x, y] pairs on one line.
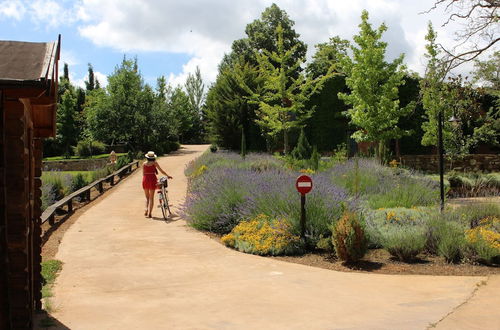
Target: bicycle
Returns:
[[163, 197]]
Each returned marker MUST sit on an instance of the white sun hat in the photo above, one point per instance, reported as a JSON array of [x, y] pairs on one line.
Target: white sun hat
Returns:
[[150, 155]]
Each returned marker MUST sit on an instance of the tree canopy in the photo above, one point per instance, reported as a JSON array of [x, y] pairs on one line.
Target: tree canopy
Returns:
[[373, 83]]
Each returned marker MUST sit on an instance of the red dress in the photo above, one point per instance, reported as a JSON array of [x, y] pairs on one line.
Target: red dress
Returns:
[[149, 177]]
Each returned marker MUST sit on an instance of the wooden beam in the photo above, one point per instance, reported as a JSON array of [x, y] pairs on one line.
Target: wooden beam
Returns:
[[43, 132]]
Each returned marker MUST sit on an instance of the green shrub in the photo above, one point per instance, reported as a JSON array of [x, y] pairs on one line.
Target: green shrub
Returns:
[[122, 161], [263, 235], [89, 148], [213, 148], [315, 157], [325, 244], [404, 242], [303, 149], [349, 238], [59, 184], [380, 220], [102, 173], [79, 181], [473, 184]]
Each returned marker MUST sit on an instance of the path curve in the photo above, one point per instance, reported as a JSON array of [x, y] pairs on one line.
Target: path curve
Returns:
[[124, 271]]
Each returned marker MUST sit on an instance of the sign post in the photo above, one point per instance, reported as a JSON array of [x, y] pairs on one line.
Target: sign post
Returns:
[[303, 185]]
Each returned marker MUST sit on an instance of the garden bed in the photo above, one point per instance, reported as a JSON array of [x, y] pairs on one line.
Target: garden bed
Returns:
[[379, 261], [371, 217]]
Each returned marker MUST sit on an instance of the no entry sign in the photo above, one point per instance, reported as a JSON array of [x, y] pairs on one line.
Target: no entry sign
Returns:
[[304, 184]]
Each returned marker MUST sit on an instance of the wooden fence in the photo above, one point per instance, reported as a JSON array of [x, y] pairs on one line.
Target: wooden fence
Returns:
[[84, 193]]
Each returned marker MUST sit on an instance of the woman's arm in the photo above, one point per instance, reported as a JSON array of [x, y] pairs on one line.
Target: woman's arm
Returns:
[[161, 170]]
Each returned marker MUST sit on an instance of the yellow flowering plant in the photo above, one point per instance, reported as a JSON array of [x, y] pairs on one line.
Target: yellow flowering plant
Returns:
[[264, 235], [485, 239]]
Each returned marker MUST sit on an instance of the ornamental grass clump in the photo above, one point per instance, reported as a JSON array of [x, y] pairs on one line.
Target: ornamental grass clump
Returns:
[[264, 235], [348, 238], [384, 187]]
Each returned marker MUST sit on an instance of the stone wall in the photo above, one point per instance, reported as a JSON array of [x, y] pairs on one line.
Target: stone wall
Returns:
[[475, 162], [74, 165]]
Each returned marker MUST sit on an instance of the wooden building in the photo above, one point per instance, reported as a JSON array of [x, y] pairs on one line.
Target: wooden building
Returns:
[[28, 98]]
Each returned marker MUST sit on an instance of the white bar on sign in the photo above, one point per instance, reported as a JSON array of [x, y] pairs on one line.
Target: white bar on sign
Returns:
[[304, 184]]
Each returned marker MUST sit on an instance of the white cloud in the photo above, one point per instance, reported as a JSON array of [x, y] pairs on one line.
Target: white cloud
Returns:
[[204, 29], [47, 13], [12, 9], [80, 81]]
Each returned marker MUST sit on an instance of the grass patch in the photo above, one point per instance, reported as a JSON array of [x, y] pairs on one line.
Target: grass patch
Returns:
[[50, 270], [86, 174], [73, 158]]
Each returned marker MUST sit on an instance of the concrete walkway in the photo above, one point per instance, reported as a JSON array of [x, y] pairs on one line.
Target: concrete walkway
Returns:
[[124, 271]]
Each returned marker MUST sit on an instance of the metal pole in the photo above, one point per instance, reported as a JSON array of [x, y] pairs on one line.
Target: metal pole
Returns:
[[303, 216], [441, 159]]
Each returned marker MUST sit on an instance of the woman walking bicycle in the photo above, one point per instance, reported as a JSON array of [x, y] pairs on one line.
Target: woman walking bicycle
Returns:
[[149, 181]]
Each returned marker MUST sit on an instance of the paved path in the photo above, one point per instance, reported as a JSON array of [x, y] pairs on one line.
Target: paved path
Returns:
[[124, 271]]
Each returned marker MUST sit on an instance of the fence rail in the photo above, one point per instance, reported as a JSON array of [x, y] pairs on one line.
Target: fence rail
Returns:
[[84, 193]]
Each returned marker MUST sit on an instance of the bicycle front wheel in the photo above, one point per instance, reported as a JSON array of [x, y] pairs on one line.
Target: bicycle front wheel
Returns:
[[165, 200], [162, 203]]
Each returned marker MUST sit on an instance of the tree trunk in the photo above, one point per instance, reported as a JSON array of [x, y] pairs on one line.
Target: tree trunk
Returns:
[[285, 142]]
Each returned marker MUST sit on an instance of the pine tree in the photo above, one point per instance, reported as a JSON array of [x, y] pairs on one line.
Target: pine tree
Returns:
[[303, 148], [285, 92]]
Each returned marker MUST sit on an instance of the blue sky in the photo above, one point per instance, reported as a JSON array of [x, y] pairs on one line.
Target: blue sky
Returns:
[[171, 38]]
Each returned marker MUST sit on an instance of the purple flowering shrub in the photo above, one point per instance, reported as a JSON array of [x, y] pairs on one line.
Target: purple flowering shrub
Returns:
[[232, 189]]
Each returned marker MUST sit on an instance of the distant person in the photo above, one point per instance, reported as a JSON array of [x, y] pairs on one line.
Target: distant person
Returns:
[[149, 170], [112, 157]]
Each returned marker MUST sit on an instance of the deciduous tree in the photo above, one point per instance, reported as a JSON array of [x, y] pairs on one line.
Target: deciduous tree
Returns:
[[374, 87]]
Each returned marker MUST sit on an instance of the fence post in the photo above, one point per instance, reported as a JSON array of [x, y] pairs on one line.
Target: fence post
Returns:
[[70, 205], [99, 187], [112, 180], [51, 219], [87, 193]]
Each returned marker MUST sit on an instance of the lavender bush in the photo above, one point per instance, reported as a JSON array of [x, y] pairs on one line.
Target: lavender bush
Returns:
[[232, 189]]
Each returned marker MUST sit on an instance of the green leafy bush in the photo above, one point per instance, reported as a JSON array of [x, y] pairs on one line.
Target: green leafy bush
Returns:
[[303, 149], [122, 161], [213, 148], [445, 238], [264, 235], [325, 244], [348, 238], [79, 181], [315, 158], [404, 242], [89, 148]]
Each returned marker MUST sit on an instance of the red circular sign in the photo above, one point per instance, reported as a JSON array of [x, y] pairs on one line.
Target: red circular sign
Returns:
[[304, 184]]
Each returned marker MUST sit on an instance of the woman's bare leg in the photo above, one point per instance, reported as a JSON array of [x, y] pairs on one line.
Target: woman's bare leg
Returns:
[[146, 193], [151, 200]]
